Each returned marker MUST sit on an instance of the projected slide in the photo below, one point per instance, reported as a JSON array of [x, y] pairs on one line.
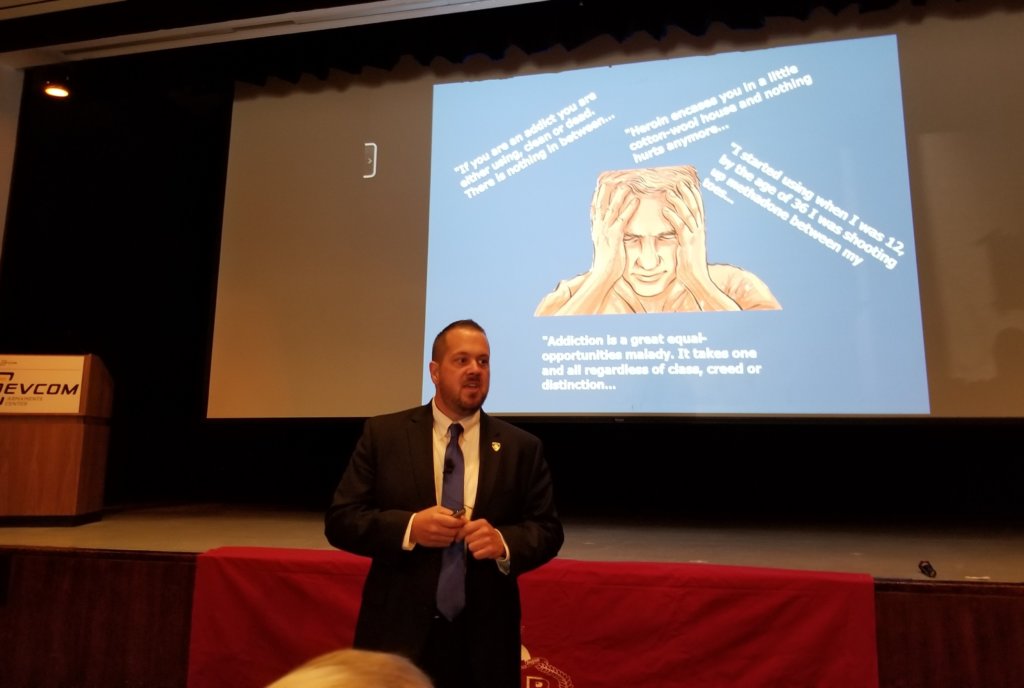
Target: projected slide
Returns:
[[729, 234]]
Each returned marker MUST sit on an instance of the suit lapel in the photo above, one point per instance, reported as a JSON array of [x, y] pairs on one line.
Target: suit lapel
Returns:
[[421, 453], [490, 461]]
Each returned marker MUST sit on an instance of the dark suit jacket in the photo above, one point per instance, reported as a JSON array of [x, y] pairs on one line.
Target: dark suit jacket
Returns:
[[389, 477]]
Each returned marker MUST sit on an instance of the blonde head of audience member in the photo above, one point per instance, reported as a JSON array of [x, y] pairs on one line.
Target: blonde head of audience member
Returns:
[[350, 668]]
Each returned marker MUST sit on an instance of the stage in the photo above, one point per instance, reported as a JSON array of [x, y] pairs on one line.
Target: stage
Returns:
[[966, 552], [151, 595]]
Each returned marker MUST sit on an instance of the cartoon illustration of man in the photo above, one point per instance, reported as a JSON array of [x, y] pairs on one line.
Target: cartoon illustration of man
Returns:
[[650, 256]]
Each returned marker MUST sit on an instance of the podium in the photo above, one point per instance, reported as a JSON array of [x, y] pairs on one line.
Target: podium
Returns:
[[54, 435]]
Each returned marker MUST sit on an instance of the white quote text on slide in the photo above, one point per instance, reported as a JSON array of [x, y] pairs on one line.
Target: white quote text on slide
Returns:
[[596, 363], [696, 121], [531, 146], [740, 172]]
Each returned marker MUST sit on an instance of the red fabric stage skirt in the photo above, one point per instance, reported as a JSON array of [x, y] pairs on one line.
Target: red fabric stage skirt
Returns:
[[259, 612]]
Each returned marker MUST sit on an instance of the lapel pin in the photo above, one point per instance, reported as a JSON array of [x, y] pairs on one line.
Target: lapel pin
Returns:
[[496, 446]]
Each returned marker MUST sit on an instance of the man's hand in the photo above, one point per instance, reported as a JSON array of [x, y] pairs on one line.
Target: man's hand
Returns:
[[482, 540], [435, 527], [685, 212], [613, 208]]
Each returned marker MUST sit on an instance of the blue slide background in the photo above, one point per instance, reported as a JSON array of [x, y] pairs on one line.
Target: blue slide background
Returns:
[[848, 339]]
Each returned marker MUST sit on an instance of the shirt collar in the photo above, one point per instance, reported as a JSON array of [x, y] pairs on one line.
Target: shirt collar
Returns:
[[441, 421]]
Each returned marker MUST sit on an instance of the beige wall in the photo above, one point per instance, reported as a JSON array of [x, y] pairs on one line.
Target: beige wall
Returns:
[[10, 99]]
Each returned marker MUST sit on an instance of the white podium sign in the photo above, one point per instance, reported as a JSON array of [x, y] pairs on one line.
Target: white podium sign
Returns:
[[40, 384]]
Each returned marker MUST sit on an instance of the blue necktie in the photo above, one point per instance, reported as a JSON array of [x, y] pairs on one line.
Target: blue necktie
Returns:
[[451, 587]]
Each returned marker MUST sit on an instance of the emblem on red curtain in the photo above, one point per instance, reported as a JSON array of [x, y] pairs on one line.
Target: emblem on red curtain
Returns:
[[538, 672]]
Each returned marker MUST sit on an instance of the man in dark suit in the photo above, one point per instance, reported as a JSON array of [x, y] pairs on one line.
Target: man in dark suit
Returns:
[[388, 506]]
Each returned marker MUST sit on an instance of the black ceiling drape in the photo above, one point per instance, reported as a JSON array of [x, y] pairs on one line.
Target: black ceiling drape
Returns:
[[531, 28]]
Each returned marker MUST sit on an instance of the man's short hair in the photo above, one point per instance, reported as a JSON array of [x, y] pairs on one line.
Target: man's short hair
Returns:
[[437, 351], [647, 180]]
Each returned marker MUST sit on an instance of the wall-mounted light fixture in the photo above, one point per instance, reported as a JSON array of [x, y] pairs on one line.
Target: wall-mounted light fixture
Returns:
[[56, 88]]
